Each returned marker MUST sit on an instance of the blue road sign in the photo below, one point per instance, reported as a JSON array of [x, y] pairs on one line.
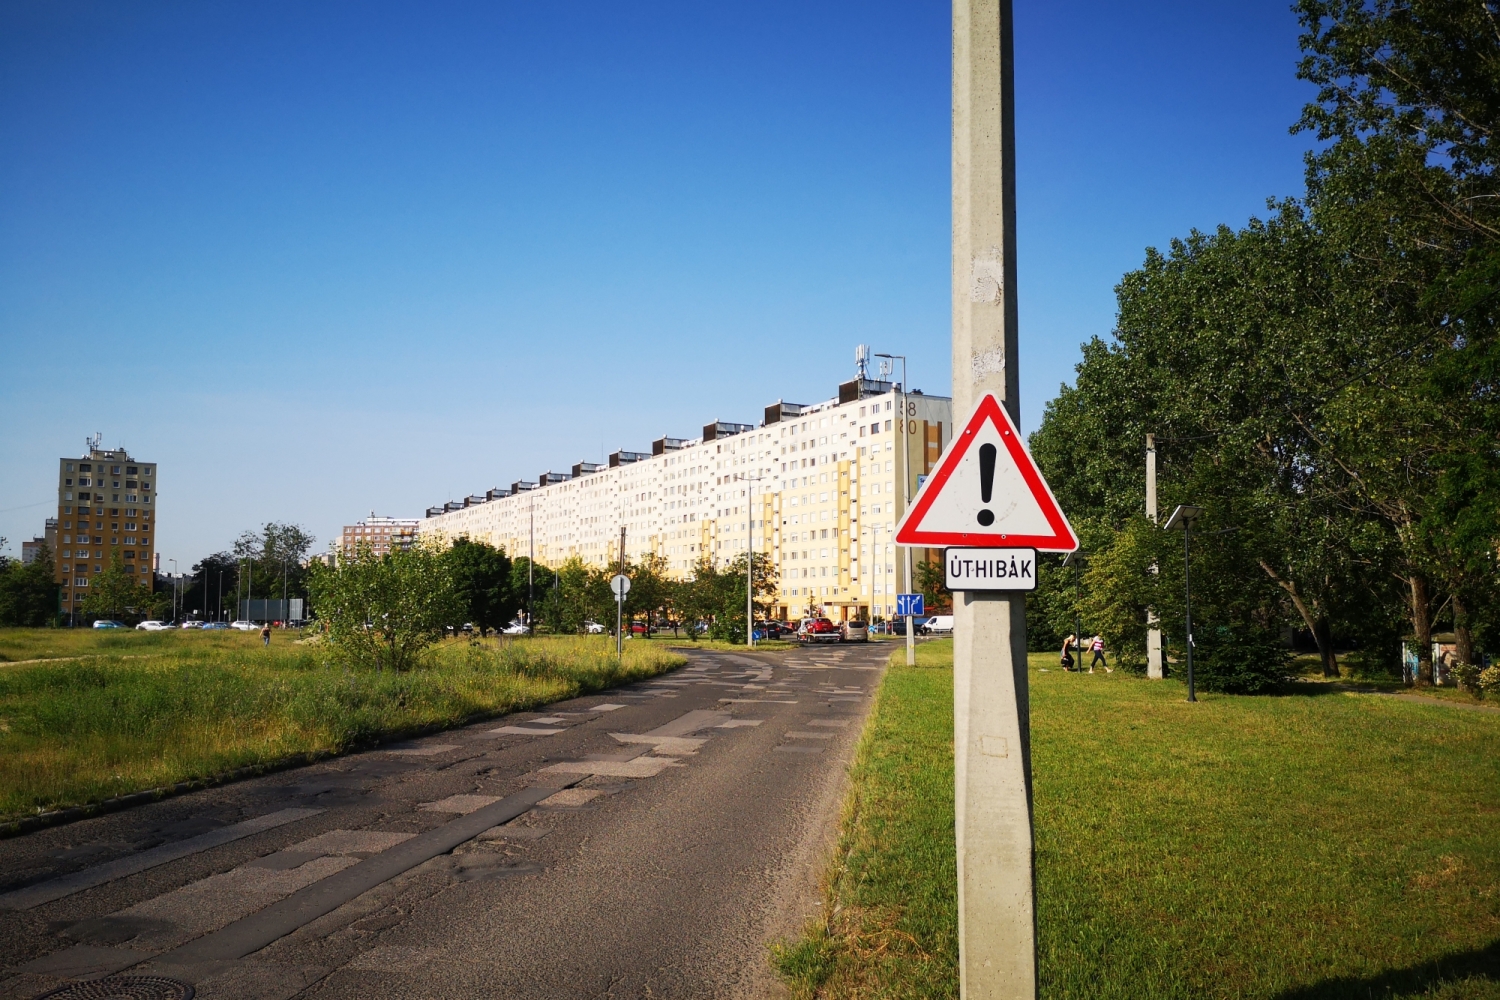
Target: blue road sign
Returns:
[[909, 604]]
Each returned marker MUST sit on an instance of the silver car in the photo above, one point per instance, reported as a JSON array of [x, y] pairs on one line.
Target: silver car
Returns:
[[855, 630]]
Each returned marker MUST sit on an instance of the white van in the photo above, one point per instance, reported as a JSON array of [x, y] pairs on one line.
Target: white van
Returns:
[[938, 625]]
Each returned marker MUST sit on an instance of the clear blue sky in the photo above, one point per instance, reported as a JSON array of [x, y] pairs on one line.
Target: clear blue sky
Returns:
[[320, 258]]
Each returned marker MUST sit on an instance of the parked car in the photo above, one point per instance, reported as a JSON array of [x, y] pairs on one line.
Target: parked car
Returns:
[[153, 626], [108, 623], [215, 626], [818, 630], [855, 630], [191, 625], [938, 625], [244, 626], [639, 628], [774, 629], [594, 628], [516, 628], [294, 623]]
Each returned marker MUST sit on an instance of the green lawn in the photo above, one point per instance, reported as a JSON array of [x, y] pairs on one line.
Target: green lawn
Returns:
[[143, 710], [1313, 845]]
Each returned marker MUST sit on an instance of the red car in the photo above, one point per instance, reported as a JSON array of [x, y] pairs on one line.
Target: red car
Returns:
[[818, 630]]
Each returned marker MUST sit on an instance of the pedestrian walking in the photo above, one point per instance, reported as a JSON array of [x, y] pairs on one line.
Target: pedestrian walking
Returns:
[[1067, 652], [1097, 645], [265, 635]]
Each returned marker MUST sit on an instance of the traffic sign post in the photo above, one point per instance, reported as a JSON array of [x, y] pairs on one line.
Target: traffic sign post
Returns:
[[992, 740], [910, 605], [620, 584]]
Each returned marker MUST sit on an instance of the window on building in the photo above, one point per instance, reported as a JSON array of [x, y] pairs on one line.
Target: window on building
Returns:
[[84, 467], [130, 470]]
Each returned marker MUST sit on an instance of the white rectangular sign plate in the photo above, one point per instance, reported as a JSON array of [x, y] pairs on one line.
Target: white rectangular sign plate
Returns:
[[990, 569]]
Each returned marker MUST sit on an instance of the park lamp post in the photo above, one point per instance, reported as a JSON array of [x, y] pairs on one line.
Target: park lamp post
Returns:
[[1075, 559], [1182, 519]]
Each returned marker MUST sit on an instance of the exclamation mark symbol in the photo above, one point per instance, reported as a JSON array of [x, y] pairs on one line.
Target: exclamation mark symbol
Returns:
[[986, 481]]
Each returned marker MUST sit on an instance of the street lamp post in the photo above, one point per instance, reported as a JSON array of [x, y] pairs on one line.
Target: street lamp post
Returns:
[[1075, 559], [905, 430], [750, 558], [174, 590], [1183, 518]]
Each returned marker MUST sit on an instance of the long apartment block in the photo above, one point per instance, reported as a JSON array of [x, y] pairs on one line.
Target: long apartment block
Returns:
[[819, 488]]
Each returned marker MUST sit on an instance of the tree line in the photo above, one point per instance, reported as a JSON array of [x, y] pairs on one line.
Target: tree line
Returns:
[[385, 609], [1323, 382]]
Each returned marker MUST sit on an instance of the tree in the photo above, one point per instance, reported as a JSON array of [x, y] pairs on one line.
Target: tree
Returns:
[[649, 590], [482, 579], [932, 583], [526, 581], [117, 593], [272, 560], [28, 593], [578, 594], [384, 611]]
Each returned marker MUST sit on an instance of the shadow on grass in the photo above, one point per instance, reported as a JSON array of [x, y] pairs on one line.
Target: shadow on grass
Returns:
[[1416, 980]]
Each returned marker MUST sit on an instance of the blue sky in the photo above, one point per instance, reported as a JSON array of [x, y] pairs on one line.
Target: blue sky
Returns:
[[318, 259]]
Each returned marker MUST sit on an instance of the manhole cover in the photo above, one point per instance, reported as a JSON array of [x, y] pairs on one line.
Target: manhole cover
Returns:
[[123, 988]]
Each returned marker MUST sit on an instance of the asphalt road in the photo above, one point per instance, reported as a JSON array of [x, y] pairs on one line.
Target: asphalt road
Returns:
[[647, 842]]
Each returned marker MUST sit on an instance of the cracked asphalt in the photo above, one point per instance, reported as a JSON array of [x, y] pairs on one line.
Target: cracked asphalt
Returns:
[[648, 841]]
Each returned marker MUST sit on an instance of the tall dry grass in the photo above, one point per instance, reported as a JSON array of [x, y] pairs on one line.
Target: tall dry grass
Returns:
[[132, 715]]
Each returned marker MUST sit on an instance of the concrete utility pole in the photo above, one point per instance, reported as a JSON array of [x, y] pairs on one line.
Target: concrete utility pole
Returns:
[[903, 456], [992, 740], [1154, 663]]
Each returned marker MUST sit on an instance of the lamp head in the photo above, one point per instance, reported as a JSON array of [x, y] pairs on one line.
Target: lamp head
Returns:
[[1181, 517]]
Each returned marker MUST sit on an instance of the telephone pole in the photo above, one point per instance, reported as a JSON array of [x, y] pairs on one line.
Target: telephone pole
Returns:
[[992, 739]]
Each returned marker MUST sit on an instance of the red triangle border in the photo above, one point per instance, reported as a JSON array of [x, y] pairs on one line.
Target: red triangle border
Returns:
[[1062, 538]]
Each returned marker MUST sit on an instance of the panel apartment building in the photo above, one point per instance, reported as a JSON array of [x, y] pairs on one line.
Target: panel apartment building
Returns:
[[819, 488], [105, 510], [380, 535]]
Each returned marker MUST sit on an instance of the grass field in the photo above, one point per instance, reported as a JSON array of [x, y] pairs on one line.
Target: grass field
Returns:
[[126, 712], [1322, 844]]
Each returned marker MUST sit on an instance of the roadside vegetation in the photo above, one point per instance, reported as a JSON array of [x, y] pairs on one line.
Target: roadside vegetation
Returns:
[[1314, 844], [1322, 382], [141, 710]]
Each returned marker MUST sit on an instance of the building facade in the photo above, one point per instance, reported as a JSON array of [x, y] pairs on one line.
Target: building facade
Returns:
[[379, 534], [32, 551], [106, 512], [818, 488]]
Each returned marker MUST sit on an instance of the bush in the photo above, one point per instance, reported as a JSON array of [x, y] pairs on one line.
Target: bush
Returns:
[[1489, 680], [1238, 661], [1466, 676]]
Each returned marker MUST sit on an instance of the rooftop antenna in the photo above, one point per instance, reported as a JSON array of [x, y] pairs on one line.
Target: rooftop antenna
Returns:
[[93, 442], [887, 365], [862, 362]]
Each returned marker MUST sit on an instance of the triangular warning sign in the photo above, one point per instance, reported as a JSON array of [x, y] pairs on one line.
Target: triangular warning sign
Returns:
[[986, 490]]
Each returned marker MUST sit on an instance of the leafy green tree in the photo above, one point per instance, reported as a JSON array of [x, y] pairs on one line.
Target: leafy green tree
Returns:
[[579, 594], [932, 584], [117, 593], [530, 584], [650, 592], [270, 561], [384, 611], [482, 576], [28, 594]]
